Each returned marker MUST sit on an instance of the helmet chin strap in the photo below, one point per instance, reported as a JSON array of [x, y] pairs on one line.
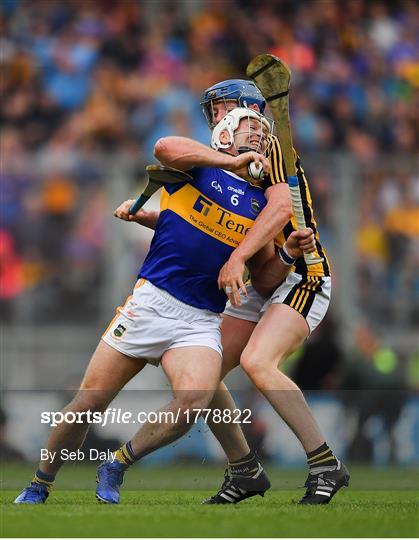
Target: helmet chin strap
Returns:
[[244, 149]]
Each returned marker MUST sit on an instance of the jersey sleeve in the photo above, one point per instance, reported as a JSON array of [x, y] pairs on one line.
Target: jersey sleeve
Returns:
[[278, 173]]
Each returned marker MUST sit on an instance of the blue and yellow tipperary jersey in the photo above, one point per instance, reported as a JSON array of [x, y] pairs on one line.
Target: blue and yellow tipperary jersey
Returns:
[[200, 224]]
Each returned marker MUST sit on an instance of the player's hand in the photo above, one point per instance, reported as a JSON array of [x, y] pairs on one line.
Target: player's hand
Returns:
[[230, 279], [240, 163], [300, 242], [122, 212]]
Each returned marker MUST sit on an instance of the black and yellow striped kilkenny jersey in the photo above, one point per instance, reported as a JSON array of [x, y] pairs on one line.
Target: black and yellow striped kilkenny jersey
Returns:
[[278, 174]]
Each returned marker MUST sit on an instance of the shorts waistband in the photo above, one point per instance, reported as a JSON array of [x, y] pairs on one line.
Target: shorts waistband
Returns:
[[178, 303]]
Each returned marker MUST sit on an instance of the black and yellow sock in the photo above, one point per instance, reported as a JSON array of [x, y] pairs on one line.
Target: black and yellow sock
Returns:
[[244, 466], [125, 454], [43, 478], [321, 457]]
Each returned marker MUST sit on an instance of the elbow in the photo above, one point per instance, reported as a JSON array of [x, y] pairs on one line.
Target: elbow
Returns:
[[287, 211], [161, 149], [279, 201], [284, 214], [168, 151]]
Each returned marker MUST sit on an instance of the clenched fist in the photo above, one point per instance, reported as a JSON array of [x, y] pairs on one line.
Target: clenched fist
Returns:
[[300, 242], [147, 219]]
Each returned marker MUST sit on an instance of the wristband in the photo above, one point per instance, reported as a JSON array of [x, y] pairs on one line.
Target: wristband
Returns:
[[285, 257]]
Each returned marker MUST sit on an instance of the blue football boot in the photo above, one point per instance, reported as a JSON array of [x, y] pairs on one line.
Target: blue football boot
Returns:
[[36, 493], [109, 478]]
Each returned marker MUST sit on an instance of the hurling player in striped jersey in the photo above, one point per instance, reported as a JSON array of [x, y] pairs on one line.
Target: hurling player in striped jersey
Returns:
[[264, 326]]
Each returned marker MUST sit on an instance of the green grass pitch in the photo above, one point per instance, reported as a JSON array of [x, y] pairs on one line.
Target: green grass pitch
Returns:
[[166, 503]]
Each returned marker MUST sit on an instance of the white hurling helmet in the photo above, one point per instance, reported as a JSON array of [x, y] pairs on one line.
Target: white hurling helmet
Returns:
[[230, 123]]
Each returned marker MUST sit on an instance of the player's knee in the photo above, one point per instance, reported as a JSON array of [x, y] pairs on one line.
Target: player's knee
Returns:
[[257, 366], [89, 401], [193, 400], [251, 363], [160, 148]]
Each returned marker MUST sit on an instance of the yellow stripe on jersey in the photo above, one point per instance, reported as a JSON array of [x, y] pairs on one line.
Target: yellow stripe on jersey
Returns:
[[321, 269], [274, 153], [206, 215], [278, 175]]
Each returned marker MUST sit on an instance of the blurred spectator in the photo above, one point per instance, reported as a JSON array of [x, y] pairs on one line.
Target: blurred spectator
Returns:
[[7, 452], [11, 275], [388, 239], [56, 59], [82, 81], [413, 370], [318, 366], [401, 226], [373, 387]]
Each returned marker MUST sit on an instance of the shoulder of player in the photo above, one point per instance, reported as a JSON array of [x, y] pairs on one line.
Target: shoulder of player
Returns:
[[224, 181], [212, 180], [206, 172], [274, 142]]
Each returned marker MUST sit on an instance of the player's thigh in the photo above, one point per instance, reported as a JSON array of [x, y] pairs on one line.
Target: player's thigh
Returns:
[[109, 370], [193, 372], [278, 334], [107, 373], [235, 334]]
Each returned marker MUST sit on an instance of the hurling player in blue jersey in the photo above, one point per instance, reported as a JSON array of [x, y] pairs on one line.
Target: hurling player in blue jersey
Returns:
[[295, 307], [173, 315]]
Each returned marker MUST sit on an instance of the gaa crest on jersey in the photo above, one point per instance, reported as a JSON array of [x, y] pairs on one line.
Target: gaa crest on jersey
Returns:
[[255, 206], [119, 331], [216, 186]]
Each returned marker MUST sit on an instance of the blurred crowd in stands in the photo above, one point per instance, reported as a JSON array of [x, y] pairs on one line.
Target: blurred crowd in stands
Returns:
[[84, 80]]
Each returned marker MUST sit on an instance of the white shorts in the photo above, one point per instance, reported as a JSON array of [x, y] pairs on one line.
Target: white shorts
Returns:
[[309, 296], [152, 321]]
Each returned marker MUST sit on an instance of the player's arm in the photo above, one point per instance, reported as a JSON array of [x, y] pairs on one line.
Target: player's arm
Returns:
[[147, 219], [268, 269], [183, 153], [269, 223]]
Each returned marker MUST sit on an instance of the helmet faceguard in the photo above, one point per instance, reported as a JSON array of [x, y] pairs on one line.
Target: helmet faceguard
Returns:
[[257, 132], [244, 93]]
